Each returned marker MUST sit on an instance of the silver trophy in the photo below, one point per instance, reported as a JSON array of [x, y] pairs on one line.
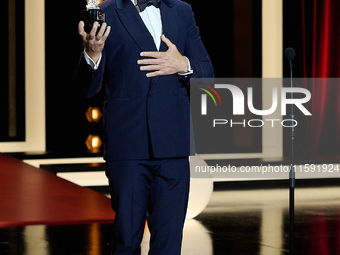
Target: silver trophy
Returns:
[[92, 14]]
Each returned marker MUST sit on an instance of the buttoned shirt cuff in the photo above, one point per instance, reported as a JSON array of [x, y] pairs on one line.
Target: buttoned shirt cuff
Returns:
[[190, 71], [90, 61]]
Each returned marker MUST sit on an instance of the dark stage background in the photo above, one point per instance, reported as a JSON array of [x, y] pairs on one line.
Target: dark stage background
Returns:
[[12, 72]]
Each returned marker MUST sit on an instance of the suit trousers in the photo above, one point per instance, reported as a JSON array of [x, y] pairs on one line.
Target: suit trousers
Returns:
[[155, 190]]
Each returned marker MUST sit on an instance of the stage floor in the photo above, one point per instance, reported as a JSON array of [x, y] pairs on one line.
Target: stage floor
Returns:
[[31, 195], [236, 222]]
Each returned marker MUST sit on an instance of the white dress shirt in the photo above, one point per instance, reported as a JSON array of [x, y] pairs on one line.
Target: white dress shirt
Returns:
[[151, 17]]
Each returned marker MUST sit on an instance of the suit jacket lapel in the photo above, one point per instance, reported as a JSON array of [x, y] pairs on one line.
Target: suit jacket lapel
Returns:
[[169, 22], [170, 25], [134, 24]]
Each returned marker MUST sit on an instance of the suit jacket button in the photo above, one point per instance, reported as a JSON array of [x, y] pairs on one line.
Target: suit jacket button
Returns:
[[175, 92], [151, 94]]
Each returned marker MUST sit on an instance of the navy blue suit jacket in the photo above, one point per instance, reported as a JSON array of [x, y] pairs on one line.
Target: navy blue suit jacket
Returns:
[[142, 113]]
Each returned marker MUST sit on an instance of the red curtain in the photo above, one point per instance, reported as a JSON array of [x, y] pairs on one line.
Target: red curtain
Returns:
[[321, 59], [319, 243]]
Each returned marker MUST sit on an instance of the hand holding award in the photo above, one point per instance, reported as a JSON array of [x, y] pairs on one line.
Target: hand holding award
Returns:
[[93, 30], [92, 14]]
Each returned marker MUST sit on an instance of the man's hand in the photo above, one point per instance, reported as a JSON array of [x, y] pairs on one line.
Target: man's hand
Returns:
[[163, 63], [94, 44]]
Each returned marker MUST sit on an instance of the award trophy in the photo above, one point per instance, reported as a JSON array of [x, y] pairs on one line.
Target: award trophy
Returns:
[[92, 14]]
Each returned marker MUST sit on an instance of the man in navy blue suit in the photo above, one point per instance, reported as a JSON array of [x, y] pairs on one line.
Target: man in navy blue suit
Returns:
[[144, 55]]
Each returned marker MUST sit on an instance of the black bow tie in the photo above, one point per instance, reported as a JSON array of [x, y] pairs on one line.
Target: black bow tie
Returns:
[[144, 3]]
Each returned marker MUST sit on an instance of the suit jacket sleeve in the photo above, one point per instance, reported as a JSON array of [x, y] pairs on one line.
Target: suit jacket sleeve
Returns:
[[88, 81], [196, 52]]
